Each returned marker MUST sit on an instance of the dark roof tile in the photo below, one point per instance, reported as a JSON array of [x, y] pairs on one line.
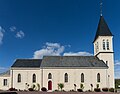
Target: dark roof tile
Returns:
[[7, 73], [61, 61], [103, 29], [27, 63], [72, 61]]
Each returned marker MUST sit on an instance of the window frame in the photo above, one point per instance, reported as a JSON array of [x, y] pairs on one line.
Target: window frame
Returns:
[[49, 76], [34, 78], [82, 78], [104, 45], [19, 78], [66, 78], [5, 82], [98, 77], [107, 44]]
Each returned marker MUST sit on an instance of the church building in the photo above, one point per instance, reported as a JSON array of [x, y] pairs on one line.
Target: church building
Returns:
[[72, 71]]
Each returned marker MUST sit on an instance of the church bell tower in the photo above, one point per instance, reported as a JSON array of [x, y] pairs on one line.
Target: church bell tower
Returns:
[[103, 49]]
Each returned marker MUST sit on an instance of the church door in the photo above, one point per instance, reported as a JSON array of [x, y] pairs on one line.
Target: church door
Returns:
[[49, 85]]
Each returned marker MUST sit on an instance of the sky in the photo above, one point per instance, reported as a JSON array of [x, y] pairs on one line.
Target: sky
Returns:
[[35, 28]]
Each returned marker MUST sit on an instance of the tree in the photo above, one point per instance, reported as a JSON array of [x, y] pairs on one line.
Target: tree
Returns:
[[81, 86], [61, 85]]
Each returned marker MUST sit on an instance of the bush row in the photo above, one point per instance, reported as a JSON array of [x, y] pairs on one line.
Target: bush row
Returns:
[[30, 89], [79, 90], [104, 89]]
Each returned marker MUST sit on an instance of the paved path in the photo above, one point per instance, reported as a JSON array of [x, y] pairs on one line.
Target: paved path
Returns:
[[34, 92], [66, 93]]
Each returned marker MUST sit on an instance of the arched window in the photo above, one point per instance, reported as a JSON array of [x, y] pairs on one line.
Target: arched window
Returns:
[[19, 78], [107, 45], [82, 78], [34, 78], [103, 44], [49, 76], [98, 77], [66, 77]]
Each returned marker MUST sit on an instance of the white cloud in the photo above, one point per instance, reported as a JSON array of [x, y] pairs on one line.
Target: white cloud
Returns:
[[13, 28], [1, 34], [49, 49], [78, 54], [117, 68], [2, 29], [2, 68], [55, 49], [117, 63], [20, 34]]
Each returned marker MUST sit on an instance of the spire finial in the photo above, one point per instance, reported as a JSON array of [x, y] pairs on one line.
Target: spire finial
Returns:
[[101, 4]]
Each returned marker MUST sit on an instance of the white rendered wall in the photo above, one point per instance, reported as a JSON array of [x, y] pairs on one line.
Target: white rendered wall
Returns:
[[106, 56], [100, 44], [2, 87], [110, 72], [26, 77], [74, 75]]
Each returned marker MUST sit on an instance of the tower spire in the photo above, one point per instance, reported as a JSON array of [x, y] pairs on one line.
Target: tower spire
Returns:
[[101, 5]]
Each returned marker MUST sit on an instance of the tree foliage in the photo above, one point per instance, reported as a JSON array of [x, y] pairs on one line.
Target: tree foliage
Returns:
[[61, 86]]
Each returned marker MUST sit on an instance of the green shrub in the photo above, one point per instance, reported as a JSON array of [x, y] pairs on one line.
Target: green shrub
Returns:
[[111, 89], [56, 90], [12, 89], [30, 89], [81, 86], [63, 90], [33, 86], [72, 90], [105, 89], [97, 85], [79, 90], [61, 86], [97, 90], [38, 86], [43, 89]]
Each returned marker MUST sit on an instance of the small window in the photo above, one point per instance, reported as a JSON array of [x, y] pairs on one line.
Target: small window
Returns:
[[66, 77], [19, 78], [82, 78], [108, 45], [49, 76], [103, 44], [34, 78], [106, 62], [4, 82], [98, 77]]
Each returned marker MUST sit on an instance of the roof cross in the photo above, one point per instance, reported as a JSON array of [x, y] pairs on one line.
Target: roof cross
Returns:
[[101, 5]]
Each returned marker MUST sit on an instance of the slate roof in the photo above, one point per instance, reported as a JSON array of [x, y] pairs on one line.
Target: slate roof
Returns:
[[61, 61], [27, 63], [72, 61], [7, 73], [103, 29]]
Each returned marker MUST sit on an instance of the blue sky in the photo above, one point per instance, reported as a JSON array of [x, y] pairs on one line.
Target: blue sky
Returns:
[[31, 29]]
